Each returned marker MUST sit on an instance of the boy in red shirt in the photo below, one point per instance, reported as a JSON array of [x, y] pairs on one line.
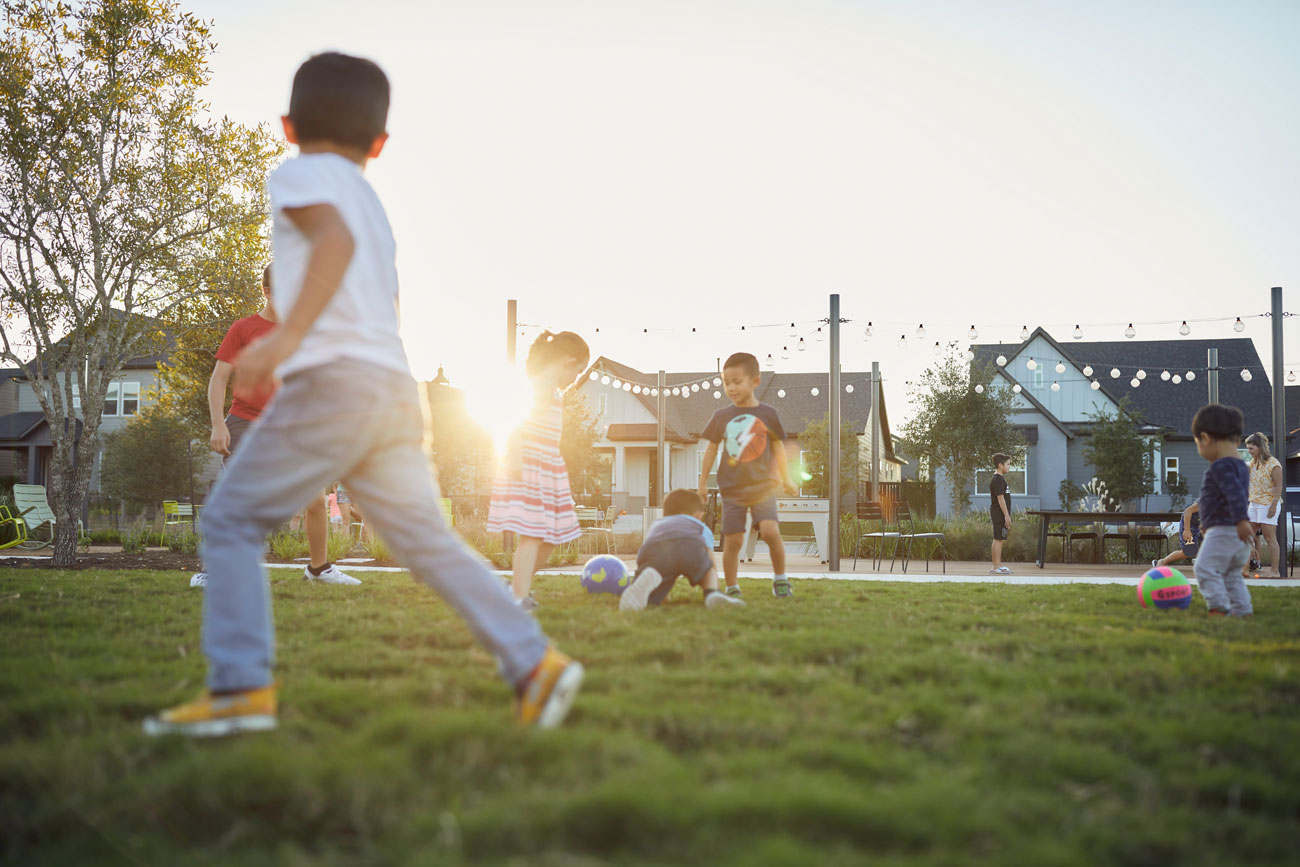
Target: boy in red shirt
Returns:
[[228, 430]]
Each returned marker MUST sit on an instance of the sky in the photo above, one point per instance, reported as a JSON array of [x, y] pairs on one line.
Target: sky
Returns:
[[669, 165]]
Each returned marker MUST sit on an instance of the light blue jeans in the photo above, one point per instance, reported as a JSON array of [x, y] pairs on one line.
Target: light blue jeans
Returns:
[[1218, 571], [362, 424]]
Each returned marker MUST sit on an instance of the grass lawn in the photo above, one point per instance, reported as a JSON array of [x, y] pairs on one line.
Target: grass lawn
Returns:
[[901, 724]]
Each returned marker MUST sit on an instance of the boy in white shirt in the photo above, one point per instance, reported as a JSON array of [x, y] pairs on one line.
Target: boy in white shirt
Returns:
[[334, 276]]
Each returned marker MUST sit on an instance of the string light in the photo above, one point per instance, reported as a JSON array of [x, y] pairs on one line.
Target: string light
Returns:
[[970, 355], [1056, 386], [717, 394], [1245, 375], [1016, 388], [1191, 375], [819, 334], [1095, 385], [627, 386], [1002, 361], [1135, 382], [686, 393], [717, 380], [654, 392], [920, 331], [1024, 333], [974, 335], [801, 345], [604, 380], [937, 349], [1078, 333], [1114, 373], [866, 332], [1130, 331], [849, 388], [1177, 379], [816, 391], [594, 376], [1060, 367], [1290, 377], [769, 360], [780, 392], [1087, 370], [785, 353], [1031, 364], [794, 332], [1184, 329], [677, 391], [636, 389], [1141, 374], [1238, 326], [979, 389]]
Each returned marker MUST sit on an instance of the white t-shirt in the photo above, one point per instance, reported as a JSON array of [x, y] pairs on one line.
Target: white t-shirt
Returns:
[[360, 322]]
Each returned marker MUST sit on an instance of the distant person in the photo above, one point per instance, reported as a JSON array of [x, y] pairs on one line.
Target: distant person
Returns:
[[678, 544], [1266, 488], [1000, 510], [228, 431], [1226, 532], [349, 408], [531, 498], [1189, 537], [753, 466]]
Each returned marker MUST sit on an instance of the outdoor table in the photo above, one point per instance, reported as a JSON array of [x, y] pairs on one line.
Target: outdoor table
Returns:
[[1045, 518]]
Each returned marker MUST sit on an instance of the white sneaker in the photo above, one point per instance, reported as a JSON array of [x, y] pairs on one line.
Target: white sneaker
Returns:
[[715, 601], [330, 575], [637, 596], [199, 579], [1001, 570]]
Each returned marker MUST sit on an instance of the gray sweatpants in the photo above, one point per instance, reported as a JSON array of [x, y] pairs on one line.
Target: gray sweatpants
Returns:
[[362, 424], [1218, 571]]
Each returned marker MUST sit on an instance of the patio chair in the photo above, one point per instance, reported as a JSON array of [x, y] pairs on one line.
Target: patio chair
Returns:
[[1085, 536], [1062, 532], [19, 528], [444, 505], [1125, 536], [35, 512], [591, 521], [1159, 538], [176, 513], [903, 513], [868, 512]]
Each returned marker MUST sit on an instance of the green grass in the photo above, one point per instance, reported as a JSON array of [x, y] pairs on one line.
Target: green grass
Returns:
[[895, 723]]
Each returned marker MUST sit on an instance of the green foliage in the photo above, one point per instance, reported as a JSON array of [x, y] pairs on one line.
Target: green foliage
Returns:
[[135, 539], [1123, 456], [150, 460], [815, 445], [885, 723], [1177, 491], [462, 450], [578, 447], [377, 548], [956, 430], [338, 544], [105, 537], [183, 542], [1069, 493], [288, 544]]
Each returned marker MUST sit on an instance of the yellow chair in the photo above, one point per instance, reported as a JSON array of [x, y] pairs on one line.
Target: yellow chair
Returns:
[[175, 514], [20, 528], [447, 515]]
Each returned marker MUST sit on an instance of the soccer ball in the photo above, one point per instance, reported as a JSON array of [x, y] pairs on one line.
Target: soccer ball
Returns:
[[1163, 587], [605, 573]]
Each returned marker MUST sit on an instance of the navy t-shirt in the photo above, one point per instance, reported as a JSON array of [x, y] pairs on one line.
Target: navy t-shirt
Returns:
[[745, 473], [1224, 493]]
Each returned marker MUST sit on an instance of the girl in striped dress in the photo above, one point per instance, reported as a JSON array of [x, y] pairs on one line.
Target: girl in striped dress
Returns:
[[531, 498]]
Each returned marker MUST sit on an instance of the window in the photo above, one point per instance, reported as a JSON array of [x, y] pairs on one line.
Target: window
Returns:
[[1038, 378], [111, 398], [1171, 471], [130, 398], [1017, 481], [602, 403]]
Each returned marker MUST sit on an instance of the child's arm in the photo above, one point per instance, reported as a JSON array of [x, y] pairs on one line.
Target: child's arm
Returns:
[[332, 246], [710, 455], [1236, 495], [220, 438], [1187, 521], [783, 466]]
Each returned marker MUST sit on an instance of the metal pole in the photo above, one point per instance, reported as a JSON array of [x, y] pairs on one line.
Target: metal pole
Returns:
[[1212, 375], [1279, 427], [875, 431], [512, 329], [658, 498], [833, 462]]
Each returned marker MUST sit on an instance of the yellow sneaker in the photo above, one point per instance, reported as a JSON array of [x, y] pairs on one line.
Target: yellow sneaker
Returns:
[[549, 691], [215, 715]]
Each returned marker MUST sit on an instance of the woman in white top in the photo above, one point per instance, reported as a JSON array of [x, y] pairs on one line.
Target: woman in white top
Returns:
[[1265, 495]]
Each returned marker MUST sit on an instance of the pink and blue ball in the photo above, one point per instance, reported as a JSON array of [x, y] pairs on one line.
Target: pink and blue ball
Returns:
[[605, 573], [1163, 587]]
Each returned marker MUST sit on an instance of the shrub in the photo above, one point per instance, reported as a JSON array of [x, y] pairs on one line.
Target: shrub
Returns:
[[135, 539], [377, 548], [338, 544], [288, 544], [105, 537], [183, 542]]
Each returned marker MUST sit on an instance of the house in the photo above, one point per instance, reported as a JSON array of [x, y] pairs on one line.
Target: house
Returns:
[[1057, 395], [626, 413]]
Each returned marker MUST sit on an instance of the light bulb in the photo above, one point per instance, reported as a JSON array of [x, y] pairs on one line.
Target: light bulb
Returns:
[[1290, 377], [1245, 375], [717, 394], [816, 391], [627, 386], [974, 335], [1087, 370], [785, 353], [686, 392], [1191, 375], [970, 356], [1141, 374], [780, 392], [1130, 331], [1016, 388], [849, 388], [617, 384], [801, 345], [937, 348], [1238, 326], [1135, 382], [820, 336], [866, 332], [1002, 361], [1024, 333], [1078, 333], [654, 392], [1114, 373], [636, 389], [1176, 379], [1031, 364], [604, 380], [1056, 386], [594, 376], [979, 389], [1060, 367], [920, 332], [902, 340], [1095, 385], [794, 332], [1164, 374], [1184, 329], [717, 380], [769, 359]]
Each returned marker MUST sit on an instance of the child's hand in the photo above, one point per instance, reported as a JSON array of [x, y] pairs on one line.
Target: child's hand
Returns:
[[1246, 533], [1187, 535], [790, 489], [255, 366], [704, 494]]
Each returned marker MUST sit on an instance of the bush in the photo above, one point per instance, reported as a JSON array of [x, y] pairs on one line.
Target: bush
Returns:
[[288, 544], [377, 548], [135, 539], [105, 537], [183, 542]]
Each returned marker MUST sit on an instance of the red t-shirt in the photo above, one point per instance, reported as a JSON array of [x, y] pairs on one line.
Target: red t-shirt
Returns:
[[243, 332]]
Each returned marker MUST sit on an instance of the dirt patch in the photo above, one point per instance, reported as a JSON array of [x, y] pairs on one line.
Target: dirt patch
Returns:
[[155, 560]]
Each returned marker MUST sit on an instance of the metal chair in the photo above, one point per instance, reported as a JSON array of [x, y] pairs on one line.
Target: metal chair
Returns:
[[1161, 539], [1083, 535], [903, 512], [35, 512], [444, 505], [871, 511], [174, 514], [7, 519], [1063, 533], [1126, 536], [590, 520]]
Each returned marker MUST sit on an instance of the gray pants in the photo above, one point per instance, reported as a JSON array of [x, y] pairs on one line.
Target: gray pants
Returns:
[[362, 424], [1218, 571]]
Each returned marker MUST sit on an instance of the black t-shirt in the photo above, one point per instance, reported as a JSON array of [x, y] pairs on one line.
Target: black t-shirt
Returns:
[[746, 473], [998, 488]]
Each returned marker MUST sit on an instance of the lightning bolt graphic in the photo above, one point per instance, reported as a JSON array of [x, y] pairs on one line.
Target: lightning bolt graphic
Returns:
[[744, 439]]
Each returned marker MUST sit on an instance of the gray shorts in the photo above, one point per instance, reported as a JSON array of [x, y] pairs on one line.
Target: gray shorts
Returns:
[[733, 514], [672, 558], [238, 428]]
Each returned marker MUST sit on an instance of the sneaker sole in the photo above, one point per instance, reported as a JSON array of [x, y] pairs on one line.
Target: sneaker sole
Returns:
[[723, 601], [562, 696], [212, 728], [351, 582], [637, 596]]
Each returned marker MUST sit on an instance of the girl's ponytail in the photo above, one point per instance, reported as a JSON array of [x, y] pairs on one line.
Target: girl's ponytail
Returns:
[[550, 347]]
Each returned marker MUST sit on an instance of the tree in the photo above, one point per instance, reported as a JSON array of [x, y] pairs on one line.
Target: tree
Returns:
[[578, 446], [956, 429], [123, 205], [814, 443], [462, 450], [1122, 456], [149, 460]]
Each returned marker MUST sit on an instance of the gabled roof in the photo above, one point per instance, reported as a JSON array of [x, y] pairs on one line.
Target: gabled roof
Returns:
[[1162, 403], [1036, 404], [20, 428]]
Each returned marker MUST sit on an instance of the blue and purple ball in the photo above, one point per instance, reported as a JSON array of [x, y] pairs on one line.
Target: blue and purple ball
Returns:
[[1163, 587], [605, 574]]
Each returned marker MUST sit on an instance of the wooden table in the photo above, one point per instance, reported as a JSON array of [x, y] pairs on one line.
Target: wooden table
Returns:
[[1045, 518]]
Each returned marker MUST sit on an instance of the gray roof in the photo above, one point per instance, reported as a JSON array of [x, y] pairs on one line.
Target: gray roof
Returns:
[[1163, 403], [24, 428]]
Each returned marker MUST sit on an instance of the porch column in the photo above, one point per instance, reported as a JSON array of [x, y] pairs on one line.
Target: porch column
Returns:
[[33, 466], [619, 482]]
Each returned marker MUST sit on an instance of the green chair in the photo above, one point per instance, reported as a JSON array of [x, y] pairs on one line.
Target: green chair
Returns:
[[35, 512], [19, 528], [176, 513]]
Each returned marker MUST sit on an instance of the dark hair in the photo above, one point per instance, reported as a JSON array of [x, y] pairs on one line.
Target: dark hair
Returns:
[[1218, 422], [266, 277], [340, 99], [745, 361], [682, 502], [549, 347], [1000, 458]]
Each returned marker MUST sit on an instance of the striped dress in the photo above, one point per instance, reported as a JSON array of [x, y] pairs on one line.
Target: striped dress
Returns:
[[538, 503]]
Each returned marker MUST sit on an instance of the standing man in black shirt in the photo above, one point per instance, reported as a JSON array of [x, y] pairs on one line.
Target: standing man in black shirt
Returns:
[[1000, 510]]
